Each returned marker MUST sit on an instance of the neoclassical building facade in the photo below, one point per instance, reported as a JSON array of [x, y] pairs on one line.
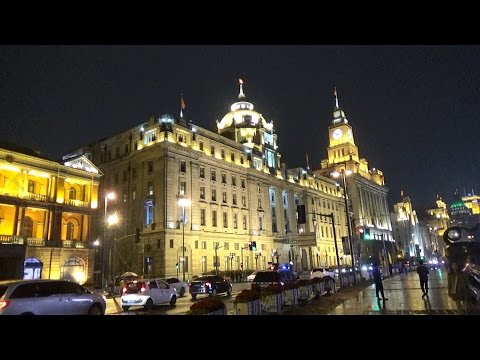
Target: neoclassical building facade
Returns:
[[239, 189], [46, 211]]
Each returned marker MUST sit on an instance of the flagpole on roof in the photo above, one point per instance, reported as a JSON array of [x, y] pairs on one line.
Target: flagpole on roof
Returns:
[[182, 105], [336, 97]]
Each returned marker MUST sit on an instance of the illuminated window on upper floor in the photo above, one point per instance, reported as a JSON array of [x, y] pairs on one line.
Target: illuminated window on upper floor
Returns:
[[213, 175], [202, 172], [183, 188], [224, 178], [214, 195], [212, 150], [31, 186], [234, 180], [224, 197], [202, 217], [235, 226], [241, 160], [70, 231], [214, 218], [202, 192], [149, 212], [150, 188], [257, 163], [243, 183], [151, 136], [222, 152], [234, 199], [183, 166], [72, 193], [181, 138], [200, 145], [232, 157]]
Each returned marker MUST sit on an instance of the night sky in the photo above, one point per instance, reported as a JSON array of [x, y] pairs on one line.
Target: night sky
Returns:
[[414, 109]]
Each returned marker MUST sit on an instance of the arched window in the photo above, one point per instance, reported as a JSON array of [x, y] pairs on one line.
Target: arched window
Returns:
[[70, 231], [27, 226], [72, 194], [74, 270]]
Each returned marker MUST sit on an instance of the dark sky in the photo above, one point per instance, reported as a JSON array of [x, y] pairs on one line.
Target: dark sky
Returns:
[[414, 109]]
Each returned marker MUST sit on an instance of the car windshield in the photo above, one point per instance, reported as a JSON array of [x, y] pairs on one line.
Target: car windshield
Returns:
[[134, 287]]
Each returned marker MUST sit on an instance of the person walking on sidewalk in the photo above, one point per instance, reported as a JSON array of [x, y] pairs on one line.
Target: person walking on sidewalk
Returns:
[[422, 272], [377, 277]]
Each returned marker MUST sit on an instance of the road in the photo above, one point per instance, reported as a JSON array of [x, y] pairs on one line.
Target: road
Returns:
[[181, 307]]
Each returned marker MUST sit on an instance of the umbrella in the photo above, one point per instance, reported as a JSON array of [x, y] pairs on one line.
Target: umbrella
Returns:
[[128, 274]]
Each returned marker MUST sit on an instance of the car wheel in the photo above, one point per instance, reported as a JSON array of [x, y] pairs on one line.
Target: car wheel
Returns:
[[95, 309], [194, 296], [229, 290], [125, 308], [149, 305], [173, 300], [182, 292], [214, 292]]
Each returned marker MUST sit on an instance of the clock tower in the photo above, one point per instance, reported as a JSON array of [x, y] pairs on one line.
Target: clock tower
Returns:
[[342, 146]]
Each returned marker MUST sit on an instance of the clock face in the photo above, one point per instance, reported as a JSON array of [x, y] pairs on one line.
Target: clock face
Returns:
[[337, 134]]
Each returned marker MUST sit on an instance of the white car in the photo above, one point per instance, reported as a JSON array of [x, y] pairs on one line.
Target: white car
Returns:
[[147, 293], [321, 272], [48, 297], [180, 286]]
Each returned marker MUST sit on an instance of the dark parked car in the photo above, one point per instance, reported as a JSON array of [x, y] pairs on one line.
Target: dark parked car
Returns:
[[210, 285], [265, 278]]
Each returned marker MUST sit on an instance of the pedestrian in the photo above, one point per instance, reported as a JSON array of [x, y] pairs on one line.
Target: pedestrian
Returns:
[[377, 277], [422, 272]]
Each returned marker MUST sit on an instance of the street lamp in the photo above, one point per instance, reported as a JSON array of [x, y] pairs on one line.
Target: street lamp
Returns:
[[257, 255], [183, 202], [343, 173], [232, 255], [110, 196]]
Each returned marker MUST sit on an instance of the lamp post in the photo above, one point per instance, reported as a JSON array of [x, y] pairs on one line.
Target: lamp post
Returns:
[[256, 261], [343, 173], [183, 202], [110, 196], [232, 255]]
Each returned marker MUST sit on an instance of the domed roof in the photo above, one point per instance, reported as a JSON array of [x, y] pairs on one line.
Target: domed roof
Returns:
[[242, 112]]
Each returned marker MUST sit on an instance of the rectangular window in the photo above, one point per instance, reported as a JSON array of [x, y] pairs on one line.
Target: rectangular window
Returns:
[[212, 150], [213, 175], [183, 166], [202, 192], [204, 245], [225, 222], [196, 244], [241, 160], [31, 186], [171, 243], [200, 145], [214, 218], [260, 223], [244, 222], [150, 167], [224, 197], [202, 172], [234, 199], [183, 188], [180, 138], [150, 188], [214, 195], [202, 217], [222, 152], [225, 245], [149, 212], [232, 157], [224, 178], [244, 201], [234, 180], [235, 222], [243, 183]]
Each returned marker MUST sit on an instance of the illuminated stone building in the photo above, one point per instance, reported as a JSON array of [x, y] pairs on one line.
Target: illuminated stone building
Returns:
[[239, 189], [366, 189], [46, 209]]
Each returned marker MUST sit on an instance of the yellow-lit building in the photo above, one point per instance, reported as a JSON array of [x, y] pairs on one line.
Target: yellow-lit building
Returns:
[[240, 193], [365, 187], [46, 210], [472, 202]]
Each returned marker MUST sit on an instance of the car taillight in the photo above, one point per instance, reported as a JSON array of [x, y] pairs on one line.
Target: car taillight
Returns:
[[142, 289], [124, 290], [4, 304]]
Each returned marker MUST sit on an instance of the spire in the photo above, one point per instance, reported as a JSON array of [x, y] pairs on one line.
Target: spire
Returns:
[[241, 95], [308, 166], [182, 105], [336, 97]]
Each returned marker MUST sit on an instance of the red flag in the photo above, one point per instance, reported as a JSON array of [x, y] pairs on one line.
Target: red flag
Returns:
[[182, 103]]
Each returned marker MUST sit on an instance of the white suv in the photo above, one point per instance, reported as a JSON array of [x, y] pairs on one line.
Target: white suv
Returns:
[[48, 297], [147, 293], [321, 272]]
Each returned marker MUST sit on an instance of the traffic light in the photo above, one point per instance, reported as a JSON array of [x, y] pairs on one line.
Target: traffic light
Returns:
[[301, 216], [254, 246], [137, 235], [365, 233]]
